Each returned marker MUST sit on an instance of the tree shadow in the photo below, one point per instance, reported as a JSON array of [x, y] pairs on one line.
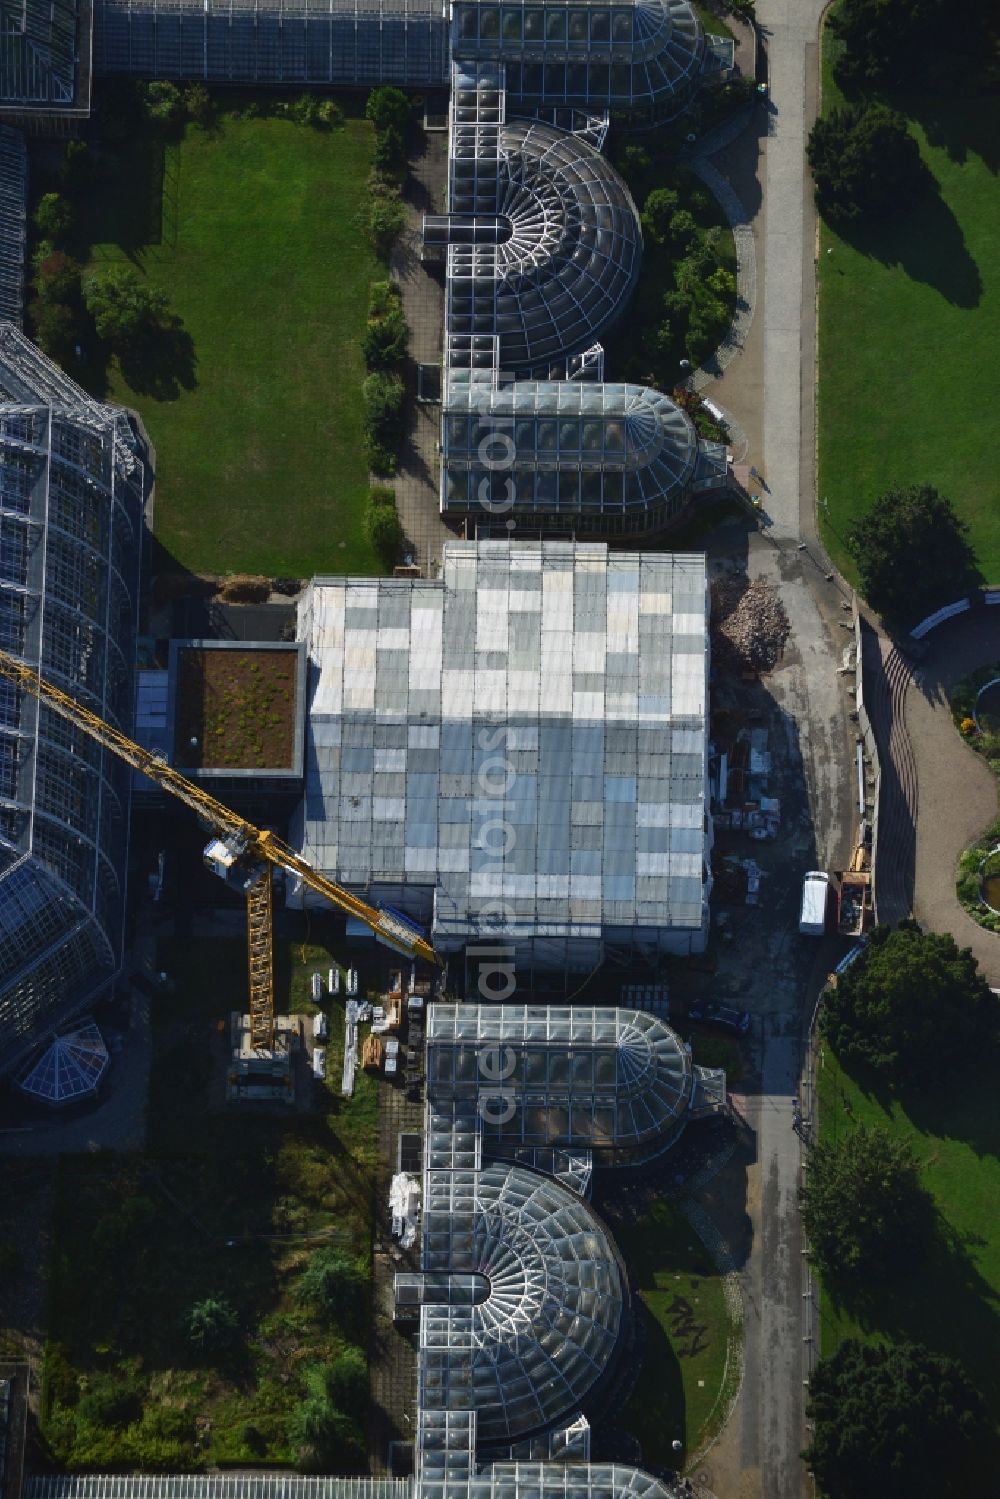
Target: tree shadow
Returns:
[[963, 127], [942, 1301], [162, 362], [964, 1107], [927, 244]]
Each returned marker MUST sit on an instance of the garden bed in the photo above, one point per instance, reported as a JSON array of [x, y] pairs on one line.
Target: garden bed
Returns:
[[236, 709], [975, 709]]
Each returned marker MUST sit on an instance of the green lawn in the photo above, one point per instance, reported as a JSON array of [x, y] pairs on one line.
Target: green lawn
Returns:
[[909, 322], [952, 1303], [688, 1333], [256, 231], [223, 1202]]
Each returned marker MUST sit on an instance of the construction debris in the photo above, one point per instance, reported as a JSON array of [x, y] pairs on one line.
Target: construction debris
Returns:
[[749, 625]]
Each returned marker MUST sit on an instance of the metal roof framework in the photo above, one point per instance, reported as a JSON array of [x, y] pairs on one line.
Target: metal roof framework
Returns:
[[72, 485]]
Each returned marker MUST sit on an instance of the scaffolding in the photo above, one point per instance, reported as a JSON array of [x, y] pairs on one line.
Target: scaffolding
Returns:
[[13, 223], [555, 688]]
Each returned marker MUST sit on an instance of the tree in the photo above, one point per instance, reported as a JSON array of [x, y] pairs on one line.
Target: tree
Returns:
[[683, 229], [661, 206], [53, 217], [891, 1421], [913, 1005], [390, 149], [885, 42], [212, 1326], [55, 328], [863, 1208], [912, 553], [865, 163], [388, 108], [123, 306], [57, 277]]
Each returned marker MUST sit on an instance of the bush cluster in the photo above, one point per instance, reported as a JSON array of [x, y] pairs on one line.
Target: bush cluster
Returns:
[[388, 109], [698, 306], [385, 346]]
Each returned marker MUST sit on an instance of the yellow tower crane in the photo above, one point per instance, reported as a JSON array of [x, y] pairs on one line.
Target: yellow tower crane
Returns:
[[239, 852]]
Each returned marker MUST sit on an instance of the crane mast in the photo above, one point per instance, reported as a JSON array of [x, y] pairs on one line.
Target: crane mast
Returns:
[[239, 852]]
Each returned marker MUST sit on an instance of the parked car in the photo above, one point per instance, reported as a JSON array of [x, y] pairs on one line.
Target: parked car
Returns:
[[721, 1015]]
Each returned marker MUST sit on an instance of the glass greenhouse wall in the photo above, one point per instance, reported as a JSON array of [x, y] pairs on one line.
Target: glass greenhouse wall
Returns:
[[72, 485], [646, 57]]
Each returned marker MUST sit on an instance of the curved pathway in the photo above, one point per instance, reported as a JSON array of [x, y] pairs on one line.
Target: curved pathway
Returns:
[[956, 791]]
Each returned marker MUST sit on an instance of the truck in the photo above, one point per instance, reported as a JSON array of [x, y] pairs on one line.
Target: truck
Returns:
[[854, 902], [815, 896], [391, 1057]]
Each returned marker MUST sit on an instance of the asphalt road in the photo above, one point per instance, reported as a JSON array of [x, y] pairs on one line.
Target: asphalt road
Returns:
[[768, 1430]]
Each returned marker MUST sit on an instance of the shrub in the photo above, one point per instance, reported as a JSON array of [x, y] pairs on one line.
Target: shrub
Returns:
[[323, 1437], [164, 104], [212, 1326], [53, 217], [329, 114], [305, 110], [76, 170], [109, 1401], [199, 104], [331, 1284], [240, 589], [383, 396], [386, 219], [390, 149], [661, 206], [383, 527], [387, 335]]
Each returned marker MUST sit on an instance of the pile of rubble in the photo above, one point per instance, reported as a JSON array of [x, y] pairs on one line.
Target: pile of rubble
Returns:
[[749, 624]]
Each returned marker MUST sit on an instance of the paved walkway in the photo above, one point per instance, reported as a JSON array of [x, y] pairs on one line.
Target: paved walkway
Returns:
[[956, 792], [790, 28], [416, 484]]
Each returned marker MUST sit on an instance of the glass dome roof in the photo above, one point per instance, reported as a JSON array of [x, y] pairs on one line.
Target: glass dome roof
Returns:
[[573, 248], [70, 1069], [576, 446], [546, 1331], [612, 1080]]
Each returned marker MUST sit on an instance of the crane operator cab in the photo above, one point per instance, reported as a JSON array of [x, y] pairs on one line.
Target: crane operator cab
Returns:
[[229, 859]]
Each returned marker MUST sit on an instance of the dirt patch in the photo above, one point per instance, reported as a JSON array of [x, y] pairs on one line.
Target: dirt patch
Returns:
[[236, 709]]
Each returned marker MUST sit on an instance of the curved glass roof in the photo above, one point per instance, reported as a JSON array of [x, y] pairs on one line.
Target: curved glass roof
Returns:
[[70, 1068], [647, 54], [576, 446], [574, 245], [608, 1079], [547, 1329]]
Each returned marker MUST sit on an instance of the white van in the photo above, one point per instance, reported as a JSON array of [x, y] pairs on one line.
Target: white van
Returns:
[[815, 896], [319, 1061]]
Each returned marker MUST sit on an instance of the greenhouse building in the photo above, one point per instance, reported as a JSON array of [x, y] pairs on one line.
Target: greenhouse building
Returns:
[[73, 480], [516, 750]]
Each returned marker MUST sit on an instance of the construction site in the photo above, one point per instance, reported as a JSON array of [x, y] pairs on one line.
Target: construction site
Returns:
[[360, 945]]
